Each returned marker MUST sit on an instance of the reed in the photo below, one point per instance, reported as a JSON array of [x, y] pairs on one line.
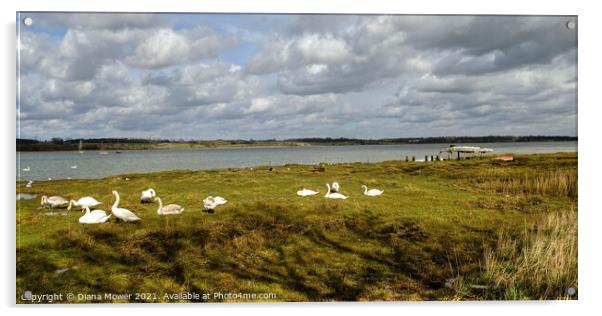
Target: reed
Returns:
[[540, 263], [560, 182]]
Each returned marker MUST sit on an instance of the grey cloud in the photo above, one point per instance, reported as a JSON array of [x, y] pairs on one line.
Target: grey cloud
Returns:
[[167, 47], [527, 96], [379, 47], [203, 84], [326, 76], [83, 51], [111, 21]]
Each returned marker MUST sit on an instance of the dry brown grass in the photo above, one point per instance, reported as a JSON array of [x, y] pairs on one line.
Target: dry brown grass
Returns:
[[560, 182], [541, 263]]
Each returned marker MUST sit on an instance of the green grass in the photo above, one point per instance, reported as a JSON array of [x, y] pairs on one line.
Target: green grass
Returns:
[[427, 238]]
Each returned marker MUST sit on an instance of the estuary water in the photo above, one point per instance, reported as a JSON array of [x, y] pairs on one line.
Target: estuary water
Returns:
[[91, 164]]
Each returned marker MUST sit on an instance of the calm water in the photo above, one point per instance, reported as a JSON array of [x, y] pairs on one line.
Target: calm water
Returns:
[[58, 165]]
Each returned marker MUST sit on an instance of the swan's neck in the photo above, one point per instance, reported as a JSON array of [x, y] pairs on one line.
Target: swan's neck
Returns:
[[116, 200], [365, 189], [328, 190], [160, 205]]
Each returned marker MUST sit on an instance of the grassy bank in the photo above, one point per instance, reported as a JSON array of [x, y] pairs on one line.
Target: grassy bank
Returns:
[[470, 229]]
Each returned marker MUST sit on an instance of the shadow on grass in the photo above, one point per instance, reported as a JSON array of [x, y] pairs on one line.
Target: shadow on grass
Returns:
[[343, 260]]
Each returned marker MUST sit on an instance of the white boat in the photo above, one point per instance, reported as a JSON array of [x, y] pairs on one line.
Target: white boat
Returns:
[[102, 150], [468, 149]]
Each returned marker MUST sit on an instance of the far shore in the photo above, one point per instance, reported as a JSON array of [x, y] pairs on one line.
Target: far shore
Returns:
[[72, 145], [317, 167]]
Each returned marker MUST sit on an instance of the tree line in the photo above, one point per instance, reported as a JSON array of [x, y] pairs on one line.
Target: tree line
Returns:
[[58, 144]]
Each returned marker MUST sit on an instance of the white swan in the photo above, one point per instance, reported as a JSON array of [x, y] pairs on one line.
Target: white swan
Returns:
[[306, 192], [329, 195], [26, 169], [372, 192], [94, 217], [29, 184], [335, 187], [148, 195], [54, 201], [169, 209], [122, 213], [210, 202], [85, 201]]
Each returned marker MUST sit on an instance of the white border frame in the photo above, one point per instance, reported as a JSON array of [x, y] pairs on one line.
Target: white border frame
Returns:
[[588, 132]]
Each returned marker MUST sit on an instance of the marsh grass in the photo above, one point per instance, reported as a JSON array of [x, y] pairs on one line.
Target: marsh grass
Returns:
[[434, 222], [539, 263], [560, 182]]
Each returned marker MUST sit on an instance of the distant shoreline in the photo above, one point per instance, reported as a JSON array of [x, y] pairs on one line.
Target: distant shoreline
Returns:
[[113, 145], [265, 167]]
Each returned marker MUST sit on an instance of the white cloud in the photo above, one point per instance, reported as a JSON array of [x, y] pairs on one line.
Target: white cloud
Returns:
[[102, 75], [167, 47]]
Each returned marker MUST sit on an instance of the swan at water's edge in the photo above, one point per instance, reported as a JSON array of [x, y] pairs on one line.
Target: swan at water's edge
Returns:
[[335, 187], [54, 201], [329, 195], [169, 209], [122, 213], [85, 201], [94, 217], [148, 195], [306, 192], [372, 192], [211, 202]]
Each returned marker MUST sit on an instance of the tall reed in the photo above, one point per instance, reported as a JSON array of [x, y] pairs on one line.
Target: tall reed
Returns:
[[560, 182], [540, 263]]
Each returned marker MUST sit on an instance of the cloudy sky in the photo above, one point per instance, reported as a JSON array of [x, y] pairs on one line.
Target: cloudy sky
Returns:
[[209, 76]]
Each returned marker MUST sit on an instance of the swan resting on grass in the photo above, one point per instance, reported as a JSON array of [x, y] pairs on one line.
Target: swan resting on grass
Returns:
[[372, 192], [306, 192], [169, 209], [122, 213], [85, 201], [211, 202], [94, 217], [330, 195], [54, 201], [147, 196]]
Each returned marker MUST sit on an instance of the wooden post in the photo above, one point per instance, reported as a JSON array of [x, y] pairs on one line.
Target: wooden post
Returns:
[[413, 158], [426, 158], [458, 155], [437, 158], [407, 159]]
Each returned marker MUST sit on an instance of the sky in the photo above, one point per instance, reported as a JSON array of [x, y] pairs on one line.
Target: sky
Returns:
[[241, 76]]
